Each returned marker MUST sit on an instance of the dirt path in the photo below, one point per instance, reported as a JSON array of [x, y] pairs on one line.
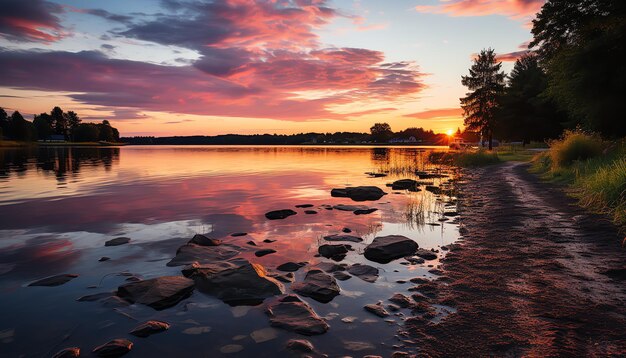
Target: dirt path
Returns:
[[536, 276]]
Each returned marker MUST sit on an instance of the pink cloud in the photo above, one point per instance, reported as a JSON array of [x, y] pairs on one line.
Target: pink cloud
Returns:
[[30, 21], [511, 56], [437, 113], [516, 9]]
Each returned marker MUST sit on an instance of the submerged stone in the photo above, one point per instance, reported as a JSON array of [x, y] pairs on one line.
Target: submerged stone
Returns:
[[203, 240], [364, 272], [264, 252], [335, 252], [290, 266], [405, 184], [115, 348], [318, 285], [149, 328], [190, 253], [377, 309], [341, 237], [344, 207], [359, 193], [52, 281], [426, 254], [300, 345], [159, 293], [364, 211], [117, 241], [292, 314], [71, 352], [279, 214]]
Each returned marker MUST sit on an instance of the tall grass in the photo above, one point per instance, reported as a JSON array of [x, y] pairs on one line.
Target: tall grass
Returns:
[[465, 158], [595, 170]]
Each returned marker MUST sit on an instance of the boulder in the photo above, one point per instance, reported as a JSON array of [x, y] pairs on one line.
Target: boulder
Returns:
[[190, 253], [341, 275], [264, 252], [384, 249], [290, 266], [292, 314], [115, 348], [52, 281], [318, 285], [149, 328], [359, 193], [364, 272], [377, 309], [341, 237], [300, 345], [426, 254], [71, 352], [279, 214], [117, 241], [236, 282], [335, 252], [204, 241], [159, 293]]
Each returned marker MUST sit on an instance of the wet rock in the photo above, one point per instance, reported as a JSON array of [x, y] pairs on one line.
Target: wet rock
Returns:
[[318, 285], [426, 254], [310, 212], [450, 213], [263, 335], [401, 300], [104, 258], [330, 267], [341, 275], [289, 277], [376, 175], [290, 266], [404, 184], [346, 230], [237, 234], [115, 348], [268, 241], [364, 272], [300, 345], [279, 214], [251, 243], [190, 253], [419, 280], [434, 189], [236, 282], [159, 293], [344, 207], [149, 328], [264, 252], [335, 252], [359, 193], [95, 297], [377, 309], [341, 237], [117, 241], [364, 212], [204, 241], [52, 281], [358, 346], [231, 348], [436, 271], [393, 308], [114, 302], [302, 206], [292, 314], [385, 249], [71, 352], [400, 355]]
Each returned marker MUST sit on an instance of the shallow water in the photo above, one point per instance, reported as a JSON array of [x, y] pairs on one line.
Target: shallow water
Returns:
[[59, 205]]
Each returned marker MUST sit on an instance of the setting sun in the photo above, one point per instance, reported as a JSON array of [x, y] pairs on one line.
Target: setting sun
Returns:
[[449, 132]]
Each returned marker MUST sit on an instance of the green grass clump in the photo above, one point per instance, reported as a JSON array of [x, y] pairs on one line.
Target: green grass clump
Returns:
[[476, 158], [574, 146]]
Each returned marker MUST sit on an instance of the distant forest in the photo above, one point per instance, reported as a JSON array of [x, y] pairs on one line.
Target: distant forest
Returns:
[[379, 133], [55, 126]]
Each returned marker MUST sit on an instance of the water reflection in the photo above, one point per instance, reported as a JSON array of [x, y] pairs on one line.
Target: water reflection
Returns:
[[59, 206]]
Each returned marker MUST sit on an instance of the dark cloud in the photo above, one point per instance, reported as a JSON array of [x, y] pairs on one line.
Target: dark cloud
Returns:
[[124, 19], [30, 21]]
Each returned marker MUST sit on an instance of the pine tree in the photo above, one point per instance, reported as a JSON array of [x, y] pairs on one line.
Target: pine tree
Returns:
[[486, 82]]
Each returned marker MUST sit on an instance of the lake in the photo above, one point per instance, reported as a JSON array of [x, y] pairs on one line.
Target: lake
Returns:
[[58, 206]]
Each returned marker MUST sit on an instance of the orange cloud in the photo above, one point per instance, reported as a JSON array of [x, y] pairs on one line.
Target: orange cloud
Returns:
[[437, 113], [516, 9]]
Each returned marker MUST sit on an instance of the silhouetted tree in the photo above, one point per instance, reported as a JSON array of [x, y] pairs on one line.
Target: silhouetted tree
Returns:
[[381, 132], [42, 125], [524, 112], [486, 82], [582, 45], [105, 132], [22, 129], [4, 123], [86, 132], [72, 120]]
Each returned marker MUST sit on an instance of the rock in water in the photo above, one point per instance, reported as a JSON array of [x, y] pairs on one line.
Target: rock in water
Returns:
[[290, 266], [401, 300], [52, 281], [339, 237], [71, 352], [158, 293], [300, 345], [236, 282], [304, 206], [190, 253], [385, 249], [377, 309], [359, 193], [264, 252], [426, 254], [364, 272], [292, 314], [149, 328], [318, 285], [237, 234], [364, 212], [117, 241], [204, 241], [335, 252], [344, 207], [405, 184], [115, 348], [279, 214]]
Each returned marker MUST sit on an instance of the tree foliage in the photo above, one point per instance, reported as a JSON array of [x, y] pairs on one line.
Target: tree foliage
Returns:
[[381, 132], [486, 85]]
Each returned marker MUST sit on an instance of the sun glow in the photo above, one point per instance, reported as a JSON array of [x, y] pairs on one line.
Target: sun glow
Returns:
[[449, 132]]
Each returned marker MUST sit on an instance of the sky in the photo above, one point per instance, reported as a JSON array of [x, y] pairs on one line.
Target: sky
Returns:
[[207, 67]]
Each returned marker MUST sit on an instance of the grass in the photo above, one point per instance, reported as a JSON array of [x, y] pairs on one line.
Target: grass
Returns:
[[465, 158], [595, 170]]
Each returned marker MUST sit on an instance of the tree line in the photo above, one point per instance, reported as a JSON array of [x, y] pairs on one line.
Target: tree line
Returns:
[[56, 124], [574, 75]]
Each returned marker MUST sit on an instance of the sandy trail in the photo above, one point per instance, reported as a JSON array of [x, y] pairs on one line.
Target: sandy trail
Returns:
[[536, 275]]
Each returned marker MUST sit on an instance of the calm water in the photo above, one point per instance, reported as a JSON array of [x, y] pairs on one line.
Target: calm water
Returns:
[[59, 205]]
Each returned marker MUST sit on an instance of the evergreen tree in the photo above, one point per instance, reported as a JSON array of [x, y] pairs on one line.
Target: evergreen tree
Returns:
[[486, 83]]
